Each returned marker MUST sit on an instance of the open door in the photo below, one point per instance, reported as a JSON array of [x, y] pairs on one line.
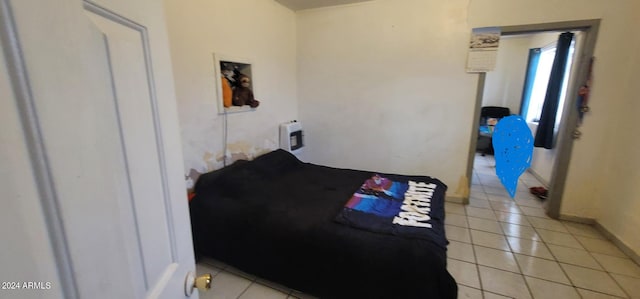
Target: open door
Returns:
[[90, 138]]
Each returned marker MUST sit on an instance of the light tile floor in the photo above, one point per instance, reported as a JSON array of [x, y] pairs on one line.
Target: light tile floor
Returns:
[[502, 247], [499, 248]]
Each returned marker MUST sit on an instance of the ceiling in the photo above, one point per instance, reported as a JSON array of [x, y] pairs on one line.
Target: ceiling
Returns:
[[296, 5]]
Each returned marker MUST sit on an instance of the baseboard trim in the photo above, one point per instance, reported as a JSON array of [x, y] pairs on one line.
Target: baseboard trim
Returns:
[[456, 199], [607, 234], [538, 177], [578, 219], [619, 243]]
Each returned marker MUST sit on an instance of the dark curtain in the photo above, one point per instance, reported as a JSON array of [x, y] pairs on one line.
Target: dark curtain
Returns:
[[532, 69], [545, 133]]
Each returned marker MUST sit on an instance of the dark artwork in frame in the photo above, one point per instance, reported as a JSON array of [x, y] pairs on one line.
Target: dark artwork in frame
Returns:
[[235, 84]]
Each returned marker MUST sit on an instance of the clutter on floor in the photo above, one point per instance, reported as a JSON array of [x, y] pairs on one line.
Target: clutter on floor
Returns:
[[540, 192]]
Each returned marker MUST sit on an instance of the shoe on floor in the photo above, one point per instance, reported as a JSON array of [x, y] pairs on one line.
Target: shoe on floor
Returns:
[[540, 192]]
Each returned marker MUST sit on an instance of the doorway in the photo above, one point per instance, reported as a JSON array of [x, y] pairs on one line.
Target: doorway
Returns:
[[552, 167]]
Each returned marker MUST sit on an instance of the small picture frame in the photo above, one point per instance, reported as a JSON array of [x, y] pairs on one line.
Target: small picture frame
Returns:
[[234, 84]]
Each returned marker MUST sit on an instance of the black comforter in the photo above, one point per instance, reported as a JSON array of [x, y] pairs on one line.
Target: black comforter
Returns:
[[274, 217]]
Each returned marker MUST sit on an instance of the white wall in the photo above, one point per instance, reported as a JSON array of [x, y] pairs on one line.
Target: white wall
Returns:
[[541, 40], [619, 204], [503, 86], [262, 31], [382, 86]]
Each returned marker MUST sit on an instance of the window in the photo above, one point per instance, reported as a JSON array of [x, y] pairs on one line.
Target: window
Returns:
[[532, 111]]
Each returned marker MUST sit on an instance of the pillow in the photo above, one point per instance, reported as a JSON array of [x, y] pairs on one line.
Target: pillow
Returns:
[[276, 163]]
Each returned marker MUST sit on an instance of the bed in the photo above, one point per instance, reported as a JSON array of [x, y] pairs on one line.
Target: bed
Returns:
[[302, 225]]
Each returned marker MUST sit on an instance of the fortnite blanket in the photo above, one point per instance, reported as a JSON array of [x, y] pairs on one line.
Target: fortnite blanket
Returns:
[[399, 206]]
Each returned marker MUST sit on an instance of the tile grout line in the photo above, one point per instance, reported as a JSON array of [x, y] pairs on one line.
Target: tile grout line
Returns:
[[482, 290], [546, 244], [245, 290], [518, 265], [510, 251], [606, 270], [529, 239], [477, 266], [542, 258], [513, 254]]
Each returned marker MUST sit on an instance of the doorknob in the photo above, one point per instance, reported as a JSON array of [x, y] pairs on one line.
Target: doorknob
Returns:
[[202, 283]]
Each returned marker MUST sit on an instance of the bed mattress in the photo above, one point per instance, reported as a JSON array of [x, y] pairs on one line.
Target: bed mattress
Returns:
[[275, 217]]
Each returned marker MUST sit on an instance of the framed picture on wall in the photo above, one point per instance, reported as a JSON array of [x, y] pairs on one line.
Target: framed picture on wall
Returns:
[[234, 84]]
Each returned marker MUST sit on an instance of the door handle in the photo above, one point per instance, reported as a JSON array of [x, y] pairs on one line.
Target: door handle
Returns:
[[202, 283]]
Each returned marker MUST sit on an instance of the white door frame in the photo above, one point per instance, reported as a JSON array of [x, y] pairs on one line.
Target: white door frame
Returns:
[[569, 116]]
